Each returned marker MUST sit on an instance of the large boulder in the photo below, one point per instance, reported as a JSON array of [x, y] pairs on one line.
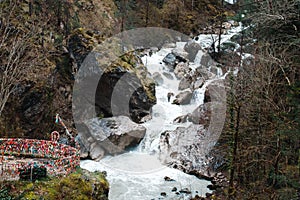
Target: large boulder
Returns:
[[192, 48], [183, 98], [110, 136], [122, 88], [185, 148]]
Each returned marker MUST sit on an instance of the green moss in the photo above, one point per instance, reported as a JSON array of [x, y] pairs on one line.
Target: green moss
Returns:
[[80, 185]]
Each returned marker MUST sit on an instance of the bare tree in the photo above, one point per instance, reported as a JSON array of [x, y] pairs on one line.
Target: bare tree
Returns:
[[16, 52]]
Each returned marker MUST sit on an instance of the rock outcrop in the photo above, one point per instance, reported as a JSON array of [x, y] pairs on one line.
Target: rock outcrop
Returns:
[[109, 136]]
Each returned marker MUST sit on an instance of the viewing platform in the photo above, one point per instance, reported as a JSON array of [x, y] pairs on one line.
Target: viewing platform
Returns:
[[18, 155]]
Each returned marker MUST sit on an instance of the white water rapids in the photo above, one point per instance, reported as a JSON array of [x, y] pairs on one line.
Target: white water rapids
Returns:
[[139, 175]]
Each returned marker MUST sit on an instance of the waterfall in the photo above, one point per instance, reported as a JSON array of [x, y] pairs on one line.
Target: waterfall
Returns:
[[139, 174]]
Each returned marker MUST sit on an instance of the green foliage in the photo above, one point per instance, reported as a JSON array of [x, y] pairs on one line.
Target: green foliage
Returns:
[[81, 185]]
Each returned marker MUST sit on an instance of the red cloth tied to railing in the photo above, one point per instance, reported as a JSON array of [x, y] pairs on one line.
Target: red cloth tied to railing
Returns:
[[57, 158]]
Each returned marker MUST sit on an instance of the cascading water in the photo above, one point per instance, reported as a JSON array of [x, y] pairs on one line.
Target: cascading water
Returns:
[[139, 174]]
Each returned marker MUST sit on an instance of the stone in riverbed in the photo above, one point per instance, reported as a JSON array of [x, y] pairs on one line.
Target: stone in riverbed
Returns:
[[183, 98], [170, 59], [158, 78], [163, 194], [181, 70], [168, 75], [185, 190], [168, 178], [109, 136], [192, 48], [198, 83], [185, 83]]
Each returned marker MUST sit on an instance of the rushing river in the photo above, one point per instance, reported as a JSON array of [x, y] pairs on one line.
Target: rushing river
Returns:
[[138, 174]]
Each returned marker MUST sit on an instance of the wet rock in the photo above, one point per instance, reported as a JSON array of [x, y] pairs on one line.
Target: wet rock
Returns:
[[187, 149], [204, 73], [198, 83], [208, 195], [168, 75], [215, 92], [192, 48], [96, 152], [185, 191], [31, 105], [170, 59], [181, 119], [180, 53], [214, 70], [168, 178], [212, 187], [158, 78], [201, 115], [206, 60], [181, 70], [183, 98], [185, 83], [109, 135], [163, 194], [138, 84]]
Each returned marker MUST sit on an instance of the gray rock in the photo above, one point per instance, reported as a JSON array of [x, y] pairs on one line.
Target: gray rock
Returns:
[[206, 60], [192, 48], [110, 136], [185, 148], [181, 70], [214, 70], [198, 83], [169, 45], [204, 73], [185, 83], [183, 98], [158, 78], [201, 115], [181, 119], [96, 151], [170, 59], [168, 75], [180, 53]]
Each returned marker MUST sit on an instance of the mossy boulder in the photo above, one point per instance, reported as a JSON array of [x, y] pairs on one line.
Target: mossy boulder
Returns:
[[125, 83]]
